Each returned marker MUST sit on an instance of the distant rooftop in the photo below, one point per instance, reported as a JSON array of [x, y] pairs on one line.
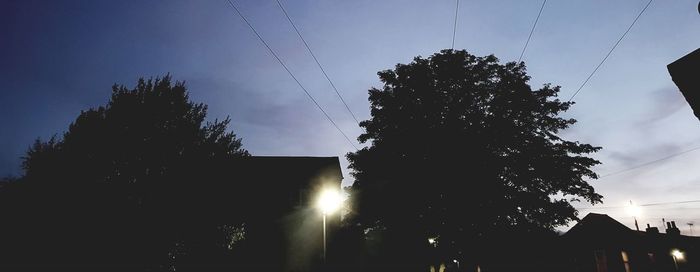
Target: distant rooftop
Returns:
[[294, 166]]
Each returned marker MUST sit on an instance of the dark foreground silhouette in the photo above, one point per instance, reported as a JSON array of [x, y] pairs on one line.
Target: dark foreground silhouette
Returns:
[[130, 185], [684, 72], [465, 153], [464, 168]]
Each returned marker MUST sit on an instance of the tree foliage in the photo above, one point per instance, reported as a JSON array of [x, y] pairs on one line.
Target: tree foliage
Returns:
[[129, 185], [463, 149]]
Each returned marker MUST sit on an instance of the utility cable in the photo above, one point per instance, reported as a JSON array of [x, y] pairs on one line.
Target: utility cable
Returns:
[[454, 29], [290, 73], [611, 50], [650, 162], [532, 30], [316, 60]]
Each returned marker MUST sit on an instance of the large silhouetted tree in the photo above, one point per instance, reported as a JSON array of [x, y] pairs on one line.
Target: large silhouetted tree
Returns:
[[130, 185], [464, 150]]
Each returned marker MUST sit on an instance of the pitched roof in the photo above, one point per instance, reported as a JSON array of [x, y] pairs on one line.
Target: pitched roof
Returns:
[[684, 73], [293, 165], [290, 173], [598, 226]]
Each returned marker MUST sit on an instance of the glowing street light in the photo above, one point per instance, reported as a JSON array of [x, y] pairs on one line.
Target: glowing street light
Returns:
[[678, 256], [329, 201], [635, 211], [433, 241]]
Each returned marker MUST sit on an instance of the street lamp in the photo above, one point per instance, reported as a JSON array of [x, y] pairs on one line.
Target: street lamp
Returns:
[[678, 256], [635, 211], [329, 201]]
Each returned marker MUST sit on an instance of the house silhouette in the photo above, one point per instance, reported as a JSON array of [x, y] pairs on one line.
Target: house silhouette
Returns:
[[283, 228], [684, 73], [599, 243]]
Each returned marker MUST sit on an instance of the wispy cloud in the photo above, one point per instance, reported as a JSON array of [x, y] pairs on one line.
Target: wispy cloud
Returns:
[[667, 101]]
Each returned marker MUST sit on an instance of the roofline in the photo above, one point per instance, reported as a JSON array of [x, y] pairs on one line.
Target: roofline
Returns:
[[298, 157], [334, 158]]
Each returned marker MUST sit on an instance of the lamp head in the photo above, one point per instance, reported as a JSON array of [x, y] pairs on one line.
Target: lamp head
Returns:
[[329, 201], [678, 254], [633, 210]]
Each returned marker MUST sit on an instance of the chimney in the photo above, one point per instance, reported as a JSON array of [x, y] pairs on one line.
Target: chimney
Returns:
[[652, 230], [672, 229]]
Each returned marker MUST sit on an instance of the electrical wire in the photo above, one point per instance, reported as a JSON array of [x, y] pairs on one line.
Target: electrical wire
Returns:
[[642, 205], [290, 73], [532, 30], [454, 30], [650, 162], [611, 50], [316, 60]]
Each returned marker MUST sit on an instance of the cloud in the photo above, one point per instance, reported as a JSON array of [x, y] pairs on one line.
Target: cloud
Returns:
[[667, 101], [248, 106], [632, 158]]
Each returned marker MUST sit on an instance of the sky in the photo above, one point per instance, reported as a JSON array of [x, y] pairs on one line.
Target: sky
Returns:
[[60, 57]]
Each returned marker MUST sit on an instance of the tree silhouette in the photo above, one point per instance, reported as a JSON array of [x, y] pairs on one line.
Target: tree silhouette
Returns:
[[130, 185], [463, 150]]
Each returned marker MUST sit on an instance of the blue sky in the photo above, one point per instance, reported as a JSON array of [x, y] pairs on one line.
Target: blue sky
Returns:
[[60, 57]]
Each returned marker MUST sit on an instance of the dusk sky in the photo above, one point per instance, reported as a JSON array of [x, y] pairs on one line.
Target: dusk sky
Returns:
[[60, 57]]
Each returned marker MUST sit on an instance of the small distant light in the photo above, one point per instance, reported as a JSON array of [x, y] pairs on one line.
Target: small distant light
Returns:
[[678, 254], [431, 240], [454, 261]]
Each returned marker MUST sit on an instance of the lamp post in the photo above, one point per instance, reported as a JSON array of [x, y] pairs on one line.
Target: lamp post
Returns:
[[635, 211], [677, 257], [329, 202]]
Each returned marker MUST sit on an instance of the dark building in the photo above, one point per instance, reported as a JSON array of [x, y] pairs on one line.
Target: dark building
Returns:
[[598, 243], [685, 72], [284, 229]]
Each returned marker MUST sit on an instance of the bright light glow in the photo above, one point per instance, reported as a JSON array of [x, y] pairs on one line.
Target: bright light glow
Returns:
[[633, 210], [431, 240], [329, 201], [454, 261], [678, 254]]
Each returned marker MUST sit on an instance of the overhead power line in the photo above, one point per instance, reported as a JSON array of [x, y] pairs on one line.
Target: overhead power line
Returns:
[[670, 203], [290, 73], [454, 29], [642, 205], [317, 62], [532, 30], [611, 50], [650, 162]]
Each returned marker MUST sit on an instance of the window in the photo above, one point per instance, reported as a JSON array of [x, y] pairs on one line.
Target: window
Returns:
[[626, 261], [601, 261]]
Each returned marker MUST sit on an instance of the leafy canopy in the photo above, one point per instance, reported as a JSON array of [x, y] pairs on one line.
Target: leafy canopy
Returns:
[[132, 182], [462, 147]]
